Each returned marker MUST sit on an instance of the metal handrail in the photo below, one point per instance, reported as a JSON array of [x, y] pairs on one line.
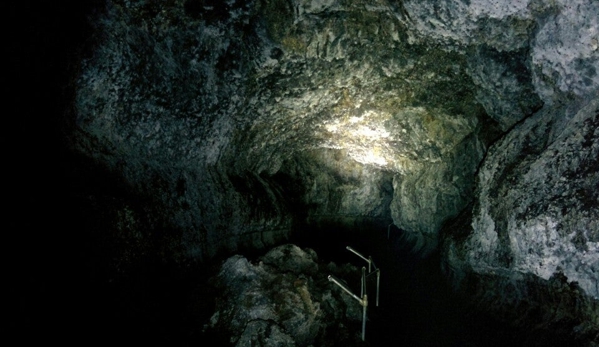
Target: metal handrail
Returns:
[[378, 283], [363, 300], [368, 260], [370, 265], [347, 290]]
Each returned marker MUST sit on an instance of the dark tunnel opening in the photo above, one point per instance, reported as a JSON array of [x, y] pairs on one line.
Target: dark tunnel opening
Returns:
[[160, 302], [417, 305], [163, 303]]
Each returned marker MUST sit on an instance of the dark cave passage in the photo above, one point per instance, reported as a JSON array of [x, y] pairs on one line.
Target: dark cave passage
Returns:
[[161, 304], [152, 141], [417, 307], [158, 303]]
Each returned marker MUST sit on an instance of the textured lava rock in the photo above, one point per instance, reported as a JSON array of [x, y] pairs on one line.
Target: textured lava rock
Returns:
[[505, 87], [231, 122], [535, 210], [536, 213], [235, 121], [283, 299], [559, 36]]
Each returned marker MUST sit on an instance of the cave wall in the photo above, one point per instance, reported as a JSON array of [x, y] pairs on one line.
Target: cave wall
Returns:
[[526, 250], [548, 162], [237, 120], [232, 123], [531, 230], [159, 102], [536, 202], [559, 37]]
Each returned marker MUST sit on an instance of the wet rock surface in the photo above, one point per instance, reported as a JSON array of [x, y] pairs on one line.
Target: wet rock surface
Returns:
[[284, 299]]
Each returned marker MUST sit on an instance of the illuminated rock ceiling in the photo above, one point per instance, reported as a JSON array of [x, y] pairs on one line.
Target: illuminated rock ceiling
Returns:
[[239, 120]]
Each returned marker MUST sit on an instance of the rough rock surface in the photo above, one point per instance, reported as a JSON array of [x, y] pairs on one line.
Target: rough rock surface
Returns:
[[230, 122], [284, 299], [533, 224], [559, 38], [236, 119], [536, 210], [208, 126]]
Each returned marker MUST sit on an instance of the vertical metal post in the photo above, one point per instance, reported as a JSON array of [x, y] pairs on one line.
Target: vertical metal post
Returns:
[[364, 303], [363, 300], [364, 307], [378, 281], [363, 282]]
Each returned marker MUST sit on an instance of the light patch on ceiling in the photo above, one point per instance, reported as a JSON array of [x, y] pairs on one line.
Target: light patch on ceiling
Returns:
[[372, 156], [364, 137]]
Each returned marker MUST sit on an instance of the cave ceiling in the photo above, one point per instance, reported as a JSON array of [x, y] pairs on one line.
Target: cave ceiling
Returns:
[[368, 109]]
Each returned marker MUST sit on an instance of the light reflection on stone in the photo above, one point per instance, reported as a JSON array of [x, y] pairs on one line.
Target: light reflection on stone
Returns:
[[364, 137]]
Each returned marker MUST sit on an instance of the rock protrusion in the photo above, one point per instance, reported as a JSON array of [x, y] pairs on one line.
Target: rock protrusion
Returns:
[[284, 299]]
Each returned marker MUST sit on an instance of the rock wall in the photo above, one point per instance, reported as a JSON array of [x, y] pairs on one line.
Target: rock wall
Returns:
[[556, 227], [559, 38], [532, 226], [230, 122], [238, 119], [282, 300], [536, 201]]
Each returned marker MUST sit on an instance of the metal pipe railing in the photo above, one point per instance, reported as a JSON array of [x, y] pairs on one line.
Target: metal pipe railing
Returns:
[[364, 308], [347, 290], [368, 260], [370, 265], [378, 283], [363, 300]]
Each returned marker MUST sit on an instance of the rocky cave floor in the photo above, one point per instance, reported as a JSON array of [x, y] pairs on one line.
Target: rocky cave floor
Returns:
[[161, 305]]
